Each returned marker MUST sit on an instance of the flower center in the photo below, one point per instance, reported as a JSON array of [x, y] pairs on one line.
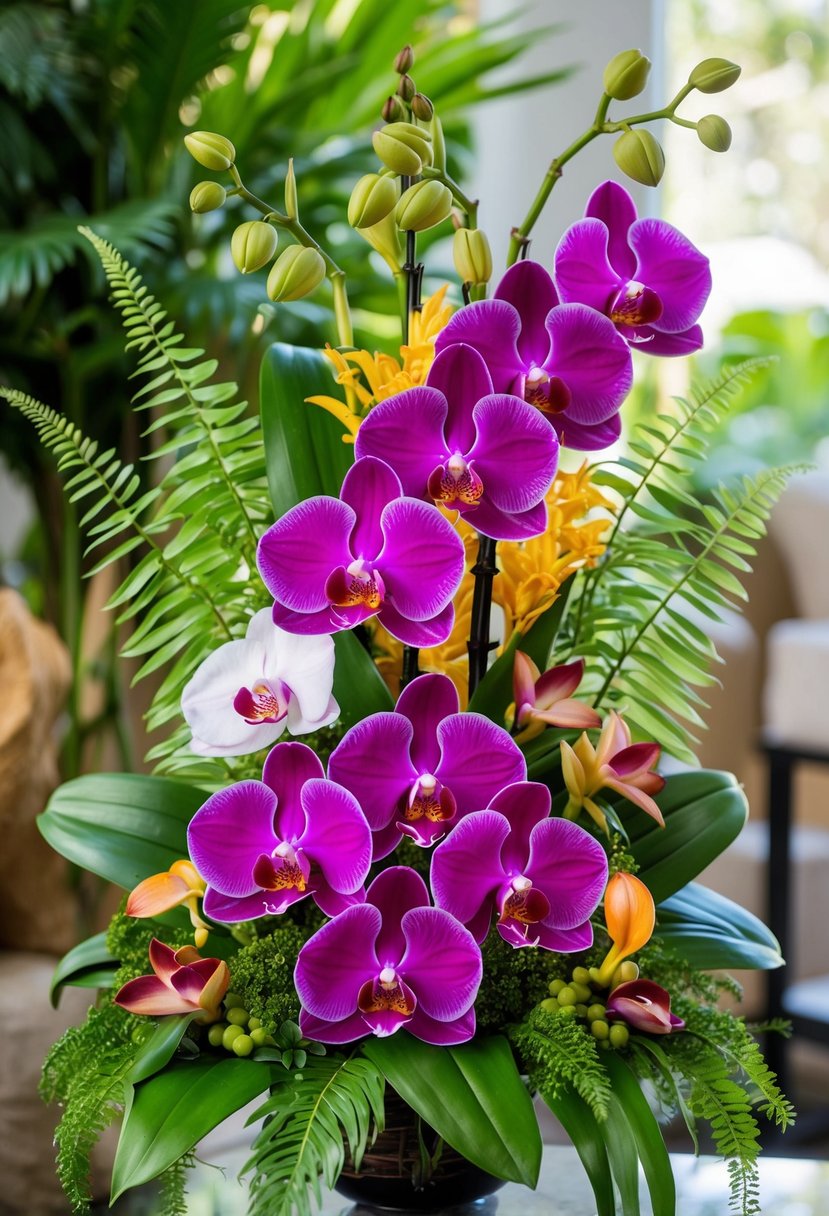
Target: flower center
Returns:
[[549, 393], [634, 304], [428, 799], [387, 993], [262, 702], [355, 586], [523, 902], [284, 870], [455, 484]]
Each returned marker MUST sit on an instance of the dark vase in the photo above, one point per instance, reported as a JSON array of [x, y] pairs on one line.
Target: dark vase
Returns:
[[409, 1168]]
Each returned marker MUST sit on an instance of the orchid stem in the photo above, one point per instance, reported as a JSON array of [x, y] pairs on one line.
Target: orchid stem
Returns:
[[479, 645], [413, 277]]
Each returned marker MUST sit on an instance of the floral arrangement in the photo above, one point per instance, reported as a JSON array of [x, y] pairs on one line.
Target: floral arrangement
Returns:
[[470, 883]]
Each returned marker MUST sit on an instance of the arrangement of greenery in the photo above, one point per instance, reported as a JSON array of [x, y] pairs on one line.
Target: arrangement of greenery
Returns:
[[450, 893]]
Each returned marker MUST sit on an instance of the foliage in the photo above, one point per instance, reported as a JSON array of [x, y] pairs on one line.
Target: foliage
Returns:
[[85, 1071], [632, 618], [513, 981], [262, 975], [309, 1118], [173, 1198], [558, 1055]]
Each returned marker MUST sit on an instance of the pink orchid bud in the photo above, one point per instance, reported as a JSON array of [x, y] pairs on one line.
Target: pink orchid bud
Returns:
[[644, 1006]]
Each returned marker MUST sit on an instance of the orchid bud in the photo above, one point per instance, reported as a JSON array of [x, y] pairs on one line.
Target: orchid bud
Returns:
[[714, 132], [406, 88], [372, 199], [295, 273], [422, 107], [291, 202], [626, 75], [393, 110], [207, 196], [438, 144], [252, 245], [386, 239], [404, 60], [472, 255], [714, 75], [403, 147], [423, 205], [211, 150], [639, 155]]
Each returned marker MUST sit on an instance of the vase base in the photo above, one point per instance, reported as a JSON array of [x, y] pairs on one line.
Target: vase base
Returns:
[[465, 1194]]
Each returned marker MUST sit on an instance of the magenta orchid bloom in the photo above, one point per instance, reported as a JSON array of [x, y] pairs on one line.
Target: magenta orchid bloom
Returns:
[[263, 845], [547, 700], [183, 982], [544, 877], [642, 273], [644, 1006], [487, 455], [417, 770], [566, 359], [391, 962], [331, 563]]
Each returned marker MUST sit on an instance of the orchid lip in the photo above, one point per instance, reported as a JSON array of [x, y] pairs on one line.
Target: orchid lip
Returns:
[[455, 484], [635, 304], [355, 585], [263, 702]]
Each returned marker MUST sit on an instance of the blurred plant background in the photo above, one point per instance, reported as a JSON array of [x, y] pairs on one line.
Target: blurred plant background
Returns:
[[94, 101]]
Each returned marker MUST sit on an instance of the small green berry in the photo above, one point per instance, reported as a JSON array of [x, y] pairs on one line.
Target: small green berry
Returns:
[[253, 1023], [596, 1013], [230, 1035], [259, 1035], [567, 1011], [581, 1010], [556, 987], [599, 1029], [619, 1035], [216, 1033], [550, 1005], [582, 991], [242, 1045], [238, 1016], [566, 997], [581, 975], [233, 1001]]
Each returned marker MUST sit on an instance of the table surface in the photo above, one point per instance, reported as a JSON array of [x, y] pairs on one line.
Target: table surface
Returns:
[[788, 1187]]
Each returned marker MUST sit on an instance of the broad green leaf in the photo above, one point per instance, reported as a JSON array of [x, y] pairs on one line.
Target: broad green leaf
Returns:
[[168, 1114], [87, 965], [358, 686], [121, 826], [712, 931], [304, 448], [623, 1154], [578, 1120], [473, 1097], [704, 812], [160, 1047], [649, 1143]]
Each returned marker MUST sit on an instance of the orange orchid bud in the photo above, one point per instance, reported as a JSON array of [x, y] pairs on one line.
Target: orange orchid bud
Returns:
[[630, 916], [181, 884]]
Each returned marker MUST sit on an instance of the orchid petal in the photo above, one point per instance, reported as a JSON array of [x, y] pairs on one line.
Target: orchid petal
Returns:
[[524, 675], [492, 327], [321, 1031], [395, 892], [372, 761], [570, 715], [570, 867], [460, 374], [407, 432], [501, 525], [515, 452], [287, 767], [612, 204], [442, 963], [466, 868], [421, 634], [583, 270], [592, 359], [558, 683], [634, 760], [229, 832], [308, 623], [163, 960], [149, 996], [478, 758], [587, 438], [651, 342], [523, 804], [228, 909], [426, 701], [422, 560], [385, 840], [158, 893], [442, 1034], [299, 725], [528, 287], [306, 667], [297, 554], [369, 485], [337, 838], [334, 964], [637, 797], [332, 902], [565, 941], [674, 268], [629, 913]]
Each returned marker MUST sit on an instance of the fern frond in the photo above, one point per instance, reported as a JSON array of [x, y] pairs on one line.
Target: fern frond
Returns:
[[309, 1117], [558, 1055], [173, 1198]]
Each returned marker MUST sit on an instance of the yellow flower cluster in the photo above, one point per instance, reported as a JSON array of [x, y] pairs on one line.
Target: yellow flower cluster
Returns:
[[369, 378], [531, 574]]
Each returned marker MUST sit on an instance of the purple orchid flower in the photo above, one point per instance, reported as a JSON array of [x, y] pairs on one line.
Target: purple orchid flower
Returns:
[[544, 877], [643, 274], [263, 845], [566, 359], [393, 961], [487, 455], [331, 563], [417, 770]]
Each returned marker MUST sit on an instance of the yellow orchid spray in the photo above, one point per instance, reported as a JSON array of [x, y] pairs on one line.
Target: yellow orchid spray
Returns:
[[616, 764]]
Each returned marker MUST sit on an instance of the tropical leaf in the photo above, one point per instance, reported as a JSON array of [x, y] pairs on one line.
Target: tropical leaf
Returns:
[[629, 1104], [710, 931], [582, 1126], [87, 965]]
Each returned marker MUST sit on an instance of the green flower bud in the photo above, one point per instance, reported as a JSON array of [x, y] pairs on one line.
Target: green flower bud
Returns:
[[423, 205], [556, 987], [582, 992], [626, 75], [596, 1013], [372, 199], [599, 1029], [422, 107], [714, 75], [243, 1045], [216, 1033], [230, 1035], [254, 1023], [385, 237], [625, 972], [581, 975], [406, 88], [252, 245], [291, 204], [259, 1034], [639, 155], [404, 60], [619, 1035], [438, 143], [211, 150], [295, 273], [550, 1005], [237, 1016], [393, 110], [566, 997], [403, 147], [714, 132], [207, 196]]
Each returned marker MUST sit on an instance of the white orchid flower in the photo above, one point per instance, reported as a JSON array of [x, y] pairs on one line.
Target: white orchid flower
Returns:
[[247, 692]]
